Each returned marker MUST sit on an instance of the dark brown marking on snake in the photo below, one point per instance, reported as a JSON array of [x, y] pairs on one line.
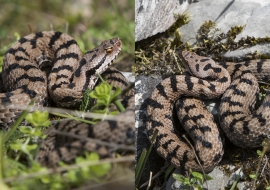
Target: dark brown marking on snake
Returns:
[[166, 145], [54, 38], [261, 119], [197, 67], [187, 108], [189, 83], [184, 160], [242, 74], [92, 72], [67, 99], [236, 68], [18, 66], [204, 60], [22, 40], [209, 66], [31, 79], [202, 95], [203, 142], [194, 118], [168, 117], [65, 45], [161, 91], [173, 83], [31, 93], [6, 99], [112, 124], [212, 87], [67, 56], [223, 79], [14, 51], [203, 129], [61, 76], [118, 80], [55, 86], [173, 154], [71, 85], [19, 58], [78, 70], [245, 128], [259, 66], [63, 67], [247, 81], [130, 133], [217, 157], [159, 137], [234, 121], [239, 92], [230, 113], [200, 81]]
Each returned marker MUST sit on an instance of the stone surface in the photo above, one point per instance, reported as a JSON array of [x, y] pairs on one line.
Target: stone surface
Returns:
[[129, 76], [152, 17], [228, 13]]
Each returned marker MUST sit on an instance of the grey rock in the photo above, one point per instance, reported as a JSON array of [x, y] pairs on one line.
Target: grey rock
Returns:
[[152, 17], [228, 13]]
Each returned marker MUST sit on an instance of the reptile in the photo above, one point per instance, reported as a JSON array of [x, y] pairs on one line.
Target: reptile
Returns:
[[236, 83], [49, 66]]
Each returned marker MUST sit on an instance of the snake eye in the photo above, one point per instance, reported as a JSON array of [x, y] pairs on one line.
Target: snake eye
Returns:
[[109, 50]]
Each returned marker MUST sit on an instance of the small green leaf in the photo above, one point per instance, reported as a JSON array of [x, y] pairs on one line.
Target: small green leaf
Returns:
[[253, 176], [38, 119], [198, 176], [259, 153], [179, 177], [207, 177], [17, 35]]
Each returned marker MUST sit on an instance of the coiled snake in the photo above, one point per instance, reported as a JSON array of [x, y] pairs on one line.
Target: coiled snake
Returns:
[[50, 65], [242, 126]]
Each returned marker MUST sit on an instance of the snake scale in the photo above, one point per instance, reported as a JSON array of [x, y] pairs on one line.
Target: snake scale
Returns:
[[48, 66], [243, 126]]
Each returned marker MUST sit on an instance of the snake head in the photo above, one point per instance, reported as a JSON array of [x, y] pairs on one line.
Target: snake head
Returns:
[[96, 61], [199, 66], [102, 56], [111, 49], [113, 45]]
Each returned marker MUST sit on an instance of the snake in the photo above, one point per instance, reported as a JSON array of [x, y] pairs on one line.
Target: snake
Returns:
[[235, 83], [47, 67]]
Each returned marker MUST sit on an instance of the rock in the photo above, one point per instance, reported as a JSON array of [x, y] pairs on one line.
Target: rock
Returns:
[[228, 13], [152, 17]]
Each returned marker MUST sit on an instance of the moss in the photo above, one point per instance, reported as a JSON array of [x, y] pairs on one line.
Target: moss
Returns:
[[159, 54]]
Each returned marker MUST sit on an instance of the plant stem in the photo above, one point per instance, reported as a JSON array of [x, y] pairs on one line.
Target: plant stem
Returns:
[[119, 106]]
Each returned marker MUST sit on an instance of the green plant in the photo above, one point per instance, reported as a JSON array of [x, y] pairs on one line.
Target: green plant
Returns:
[[20, 147], [195, 180]]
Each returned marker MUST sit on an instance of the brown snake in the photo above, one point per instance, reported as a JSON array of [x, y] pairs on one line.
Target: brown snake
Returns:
[[50, 65], [242, 126]]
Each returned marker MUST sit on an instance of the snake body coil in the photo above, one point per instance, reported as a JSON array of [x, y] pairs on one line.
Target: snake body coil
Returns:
[[55, 60], [49, 65], [242, 126]]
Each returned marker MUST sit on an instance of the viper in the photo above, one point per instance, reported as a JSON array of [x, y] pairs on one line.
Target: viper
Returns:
[[49, 66], [236, 83]]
